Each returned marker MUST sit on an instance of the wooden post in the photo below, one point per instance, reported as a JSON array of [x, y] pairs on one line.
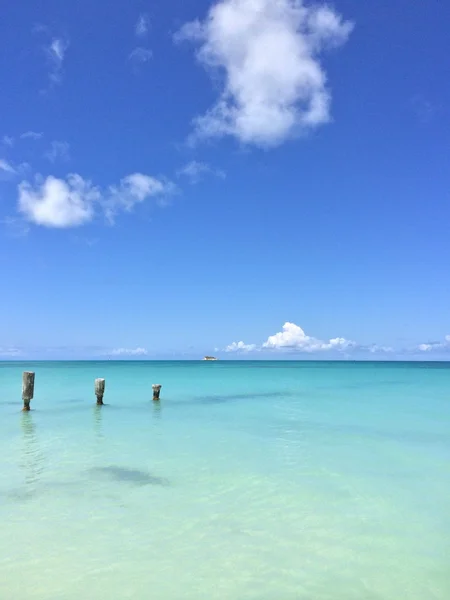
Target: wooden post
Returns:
[[156, 390], [99, 390], [27, 389]]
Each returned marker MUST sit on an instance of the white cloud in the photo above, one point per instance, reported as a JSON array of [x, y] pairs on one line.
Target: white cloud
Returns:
[[129, 352], [240, 347], [376, 349], [9, 170], [34, 135], [134, 189], [432, 346], [195, 170], [56, 52], [142, 25], [7, 140], [58, 151], [140, 55], [6, 167], [293, 337], [74, 201], [57, 202], [267, 51]]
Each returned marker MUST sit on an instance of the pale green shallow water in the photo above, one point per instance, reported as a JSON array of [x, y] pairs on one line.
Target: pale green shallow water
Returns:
[[265, 481]]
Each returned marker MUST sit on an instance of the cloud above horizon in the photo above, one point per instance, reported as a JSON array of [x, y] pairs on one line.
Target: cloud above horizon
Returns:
[[74, 201], [129, 352], [293, 338], [273, 85], [432, 346]]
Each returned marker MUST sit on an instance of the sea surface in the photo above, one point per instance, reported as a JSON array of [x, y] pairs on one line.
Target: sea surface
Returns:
[[248, 480]]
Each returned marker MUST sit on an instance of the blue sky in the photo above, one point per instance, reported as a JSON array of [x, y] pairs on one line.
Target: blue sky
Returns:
[[252, 179]]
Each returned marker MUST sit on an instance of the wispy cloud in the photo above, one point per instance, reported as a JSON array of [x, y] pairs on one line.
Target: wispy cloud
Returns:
[[16, 226], [240, 347], [74, 201], [195, 171], [10, 352], [140, 55], [129, 352], [142, 25], [56, 52], [423, 109], [7, 167], [33, 135], [10, 170], [58, 151], [273, 86], [7, 140]]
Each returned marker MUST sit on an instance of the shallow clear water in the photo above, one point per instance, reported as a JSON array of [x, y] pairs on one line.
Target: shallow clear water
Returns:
[[249, 480]]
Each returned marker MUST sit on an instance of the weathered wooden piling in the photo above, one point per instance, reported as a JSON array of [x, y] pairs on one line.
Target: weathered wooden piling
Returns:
[[99, 390], [27, 389], [156, 391]]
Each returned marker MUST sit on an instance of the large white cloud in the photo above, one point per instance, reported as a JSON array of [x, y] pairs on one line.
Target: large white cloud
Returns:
[[74, 201], [293, 337], [274, 86]]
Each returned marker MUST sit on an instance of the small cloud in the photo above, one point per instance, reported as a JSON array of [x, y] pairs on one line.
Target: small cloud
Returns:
[[33, 135], [134, 189], [7, 167], [195, 170], [58, 151], [435, 346], [129, 352], [58, 203], [7, 140], [56, 52], [423, 109], [142, 25], [140, 55], [274, 86], [10, 352], [376, 349], [240, 347]]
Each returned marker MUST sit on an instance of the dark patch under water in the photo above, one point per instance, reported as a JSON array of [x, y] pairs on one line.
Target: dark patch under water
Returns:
[[224, 398], [126, 475]]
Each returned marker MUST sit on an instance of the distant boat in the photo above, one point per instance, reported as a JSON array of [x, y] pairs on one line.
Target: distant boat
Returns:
[[210, 358]]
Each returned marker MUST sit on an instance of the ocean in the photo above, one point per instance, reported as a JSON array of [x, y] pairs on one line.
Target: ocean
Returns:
[[248, 480]]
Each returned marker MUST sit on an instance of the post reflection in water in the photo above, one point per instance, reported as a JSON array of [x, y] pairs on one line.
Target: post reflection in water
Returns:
[[157, 409], [98, 421], [31, 458]]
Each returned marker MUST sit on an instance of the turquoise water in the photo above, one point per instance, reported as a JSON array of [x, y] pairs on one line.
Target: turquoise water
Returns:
[[249, 480]]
